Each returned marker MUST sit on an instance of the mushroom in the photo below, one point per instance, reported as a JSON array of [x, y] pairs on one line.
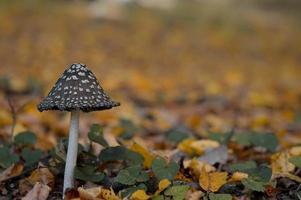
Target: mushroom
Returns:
[[76, 90]]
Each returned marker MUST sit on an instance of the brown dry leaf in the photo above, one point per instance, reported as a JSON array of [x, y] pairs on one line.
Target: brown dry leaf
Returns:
[[111, 139], [140, 195], [194, 195], [212, 181], [287, 175], [90, 194], [148, 157], [42, 175], [40, 191], [45, 142], [10, 172]]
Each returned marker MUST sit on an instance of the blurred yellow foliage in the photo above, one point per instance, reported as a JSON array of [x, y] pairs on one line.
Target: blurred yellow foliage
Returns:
[[211, 182]]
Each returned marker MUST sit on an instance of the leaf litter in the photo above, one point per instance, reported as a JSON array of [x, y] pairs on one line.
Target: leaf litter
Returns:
[[234, 136]]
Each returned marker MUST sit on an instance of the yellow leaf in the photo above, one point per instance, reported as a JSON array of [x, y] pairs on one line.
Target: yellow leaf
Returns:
[[108, 194], [295, 151], [185, 146], [280, 163], [197, 147], [212, 181], [196, 166], [163, 184], [140, 195], [19, 128], [238, 176], [5, 118], [148, 157]]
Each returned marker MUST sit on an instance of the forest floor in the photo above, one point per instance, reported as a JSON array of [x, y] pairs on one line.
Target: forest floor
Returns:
[[210, 102]]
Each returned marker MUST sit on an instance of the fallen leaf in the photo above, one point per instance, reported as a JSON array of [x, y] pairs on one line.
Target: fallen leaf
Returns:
[[194, 195], [42, 175], [296, 160], [148, 157], [40, 191], [177, 192], [185, 146], [140, 195], [238, 176], [212, 181], [213, 196], [163, 170], [216, 155], [10, 172], [196, 166], [280, 163], [109, 194], [201, 146], [90, 194], [163, 184]]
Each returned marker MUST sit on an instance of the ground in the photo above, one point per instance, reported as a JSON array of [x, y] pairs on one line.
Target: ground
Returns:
[[210, 100]]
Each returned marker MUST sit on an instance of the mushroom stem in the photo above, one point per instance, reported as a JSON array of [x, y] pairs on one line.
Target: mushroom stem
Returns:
[[72, 151]]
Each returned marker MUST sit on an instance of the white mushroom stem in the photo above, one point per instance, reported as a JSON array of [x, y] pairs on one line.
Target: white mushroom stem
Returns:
[[72, 151]]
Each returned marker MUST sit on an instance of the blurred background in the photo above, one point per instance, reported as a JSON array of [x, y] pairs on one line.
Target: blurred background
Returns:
[[209, 65]]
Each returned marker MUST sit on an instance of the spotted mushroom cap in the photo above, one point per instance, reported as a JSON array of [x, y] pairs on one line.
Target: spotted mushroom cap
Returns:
[[77, 89]]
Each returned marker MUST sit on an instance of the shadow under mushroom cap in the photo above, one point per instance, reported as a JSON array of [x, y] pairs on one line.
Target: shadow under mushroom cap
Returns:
[[77, 89]]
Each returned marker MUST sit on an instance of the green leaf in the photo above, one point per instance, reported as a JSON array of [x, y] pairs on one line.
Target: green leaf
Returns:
[[26, 138], [254, 185], [124, 177], [164, 170], [296, 160], [31, 156], [7, 158], [177, 192], [131, 175], [159, 197], [221, 138], [266, 140], [258, 178], [243, 167], [242, 139], [213, 196], [129, 191], [96, 135], [128, 127], [88, 173], [263, 173], [120, 153], [176, 135]]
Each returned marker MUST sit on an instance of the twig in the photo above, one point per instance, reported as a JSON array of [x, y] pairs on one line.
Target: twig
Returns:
[[13, 114]]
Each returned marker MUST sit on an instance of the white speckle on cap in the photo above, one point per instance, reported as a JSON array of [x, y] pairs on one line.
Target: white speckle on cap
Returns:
[[81, 73]]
